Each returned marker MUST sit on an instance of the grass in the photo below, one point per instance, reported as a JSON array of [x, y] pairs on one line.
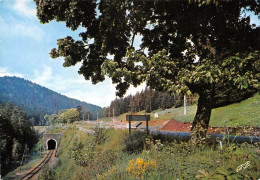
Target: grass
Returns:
[[176, 113], [55, 129], [239, 114], [65, 163], [157, 160], [67, 168], [49, 129], [244, 113], [39, 129], [109, 154]]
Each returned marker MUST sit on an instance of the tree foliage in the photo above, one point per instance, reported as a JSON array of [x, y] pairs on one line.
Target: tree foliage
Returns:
[[16, 134], [69, 116], [194, 46], [64, 116]]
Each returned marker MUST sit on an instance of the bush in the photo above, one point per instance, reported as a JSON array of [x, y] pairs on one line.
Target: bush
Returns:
[[100, 135], [84, 155], [137, 142], [178, 103], [47, 174]]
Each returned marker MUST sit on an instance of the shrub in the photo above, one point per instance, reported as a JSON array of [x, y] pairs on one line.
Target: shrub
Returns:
[[178, 103], [136, 143], [47, 174], [83, 155], [100, 135]]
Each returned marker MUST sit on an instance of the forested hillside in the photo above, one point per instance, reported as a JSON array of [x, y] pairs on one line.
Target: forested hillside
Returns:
[[38, 101], [148, 100]]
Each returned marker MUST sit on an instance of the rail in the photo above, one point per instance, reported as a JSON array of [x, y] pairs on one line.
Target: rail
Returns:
[[39, 166]]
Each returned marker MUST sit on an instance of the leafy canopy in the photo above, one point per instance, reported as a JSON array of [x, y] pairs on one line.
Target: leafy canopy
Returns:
[[192, 45]]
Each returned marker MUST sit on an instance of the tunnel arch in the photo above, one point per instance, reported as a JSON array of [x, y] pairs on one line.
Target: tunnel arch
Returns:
[[51, 144]]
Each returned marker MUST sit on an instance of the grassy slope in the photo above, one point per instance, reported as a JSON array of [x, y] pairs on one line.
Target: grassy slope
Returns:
[[66, 168], [243, 113], [173, 161]]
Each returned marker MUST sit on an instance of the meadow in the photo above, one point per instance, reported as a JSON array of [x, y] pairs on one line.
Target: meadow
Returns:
[[244, 113], [109, 154]]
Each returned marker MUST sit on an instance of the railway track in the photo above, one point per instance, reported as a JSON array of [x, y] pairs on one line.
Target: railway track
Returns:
[[35, 170]]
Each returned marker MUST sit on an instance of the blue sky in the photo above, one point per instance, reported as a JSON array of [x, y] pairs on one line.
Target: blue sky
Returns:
[[25, 44]]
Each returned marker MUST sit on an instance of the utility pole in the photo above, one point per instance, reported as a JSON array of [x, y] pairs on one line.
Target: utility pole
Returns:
[[83, 116], [109, 115], [184, 104], [88, 116], [97, 117], [113, 116], [113, 113]]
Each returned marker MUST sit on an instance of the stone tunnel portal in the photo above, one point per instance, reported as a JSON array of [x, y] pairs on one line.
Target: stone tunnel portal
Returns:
[[51, 144]]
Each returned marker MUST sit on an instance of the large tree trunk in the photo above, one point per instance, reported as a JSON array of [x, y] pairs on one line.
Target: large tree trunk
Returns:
[[201, 121]]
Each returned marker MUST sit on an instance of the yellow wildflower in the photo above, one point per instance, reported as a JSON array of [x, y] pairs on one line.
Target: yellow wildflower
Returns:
[[140, 167]]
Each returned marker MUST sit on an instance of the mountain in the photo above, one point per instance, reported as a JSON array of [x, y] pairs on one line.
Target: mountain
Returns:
[[37, 100]]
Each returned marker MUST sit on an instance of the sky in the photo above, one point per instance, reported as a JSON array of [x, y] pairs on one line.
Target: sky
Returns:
[[25, 44]]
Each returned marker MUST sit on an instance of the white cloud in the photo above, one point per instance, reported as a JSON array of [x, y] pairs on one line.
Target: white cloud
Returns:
[[79, 80], [12, 27], [22, 7], [95, 98], [78, 88], [7, 72], [28, 30], [100, 94], [132, 90], [43, 77]]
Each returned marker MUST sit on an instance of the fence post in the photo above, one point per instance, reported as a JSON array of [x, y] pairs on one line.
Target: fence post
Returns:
[[147, 129], [185, 103], [130, 119]]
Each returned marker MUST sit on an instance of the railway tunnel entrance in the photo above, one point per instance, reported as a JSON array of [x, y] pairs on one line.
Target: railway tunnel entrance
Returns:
[[51, 144], [51, 141]]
